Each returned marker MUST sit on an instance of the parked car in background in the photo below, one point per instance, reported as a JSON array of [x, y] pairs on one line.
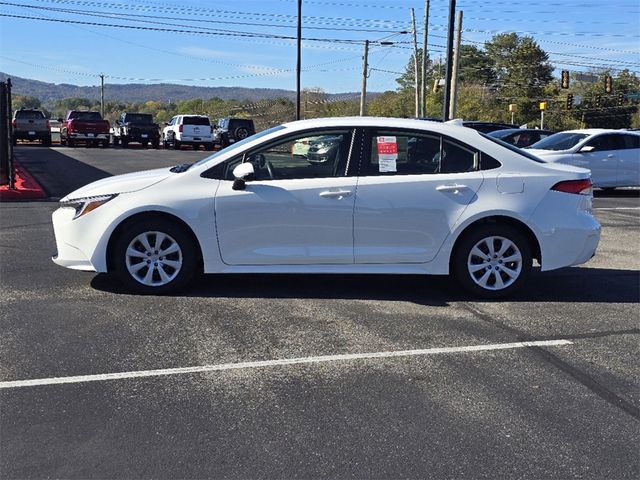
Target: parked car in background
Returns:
[[54, 126], [520, 137], [136, 127], [613, 156], [86, 127], [462, 203], [194, 130], [231, 130], [30, 124]]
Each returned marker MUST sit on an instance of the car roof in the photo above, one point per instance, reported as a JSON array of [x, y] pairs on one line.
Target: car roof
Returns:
[[594, 131], [384, 122]]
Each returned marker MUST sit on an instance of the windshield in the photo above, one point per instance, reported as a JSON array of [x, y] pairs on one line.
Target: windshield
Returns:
[[500, 133], [236, 145], [138, 118], [196, 121], [85, 116], [514, 149], [559, 141]]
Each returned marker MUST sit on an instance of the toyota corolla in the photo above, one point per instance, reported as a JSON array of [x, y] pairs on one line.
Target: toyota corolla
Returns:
[[399, 196]]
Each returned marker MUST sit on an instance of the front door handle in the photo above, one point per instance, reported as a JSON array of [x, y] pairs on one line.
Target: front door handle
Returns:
[[339, 194], [451, 188]]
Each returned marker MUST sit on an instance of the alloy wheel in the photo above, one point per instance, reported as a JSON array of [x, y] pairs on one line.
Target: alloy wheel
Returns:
[[494, 263], [153, 258]]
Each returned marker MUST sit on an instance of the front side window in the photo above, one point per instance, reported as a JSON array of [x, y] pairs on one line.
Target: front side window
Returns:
[[321, 155], [403, 153], [603, 143]]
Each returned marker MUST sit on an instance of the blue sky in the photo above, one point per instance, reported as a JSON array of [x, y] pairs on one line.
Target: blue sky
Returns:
[[579, 35]]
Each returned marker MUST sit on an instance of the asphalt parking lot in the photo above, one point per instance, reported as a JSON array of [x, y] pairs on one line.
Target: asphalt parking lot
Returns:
[[311, 376]]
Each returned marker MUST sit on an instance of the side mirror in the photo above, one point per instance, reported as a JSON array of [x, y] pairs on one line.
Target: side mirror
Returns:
[[587, 149], [242, 174]]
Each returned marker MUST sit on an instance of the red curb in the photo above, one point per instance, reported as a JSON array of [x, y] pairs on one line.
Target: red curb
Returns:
[[26, 187]]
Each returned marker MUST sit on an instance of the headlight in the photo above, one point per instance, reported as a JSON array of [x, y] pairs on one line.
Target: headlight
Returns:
[[82, 206]]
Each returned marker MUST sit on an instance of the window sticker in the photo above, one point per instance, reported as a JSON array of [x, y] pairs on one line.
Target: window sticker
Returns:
[[387, 154]]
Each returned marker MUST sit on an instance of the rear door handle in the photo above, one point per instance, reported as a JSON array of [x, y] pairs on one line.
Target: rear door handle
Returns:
[[339, 194], [451, 188]]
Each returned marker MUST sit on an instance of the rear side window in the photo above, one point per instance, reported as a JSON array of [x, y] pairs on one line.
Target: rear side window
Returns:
[[512, 148], [196, 121], [631, 141], [29, 115], [409, 153]]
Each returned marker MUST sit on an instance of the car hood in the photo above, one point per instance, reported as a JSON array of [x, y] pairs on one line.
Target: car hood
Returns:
[[130, 182], [547, 153]]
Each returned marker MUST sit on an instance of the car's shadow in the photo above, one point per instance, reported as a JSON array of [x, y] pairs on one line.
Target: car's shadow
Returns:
[[617, 193], [575, 284]]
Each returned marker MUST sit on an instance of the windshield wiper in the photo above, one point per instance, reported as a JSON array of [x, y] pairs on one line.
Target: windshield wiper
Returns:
[[183, 167]]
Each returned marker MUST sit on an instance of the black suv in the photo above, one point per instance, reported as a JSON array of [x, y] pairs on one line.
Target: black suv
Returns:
[[136, 127], [231, 130]]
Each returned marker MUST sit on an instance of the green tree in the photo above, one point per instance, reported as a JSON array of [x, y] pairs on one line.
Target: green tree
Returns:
[[475, 66]]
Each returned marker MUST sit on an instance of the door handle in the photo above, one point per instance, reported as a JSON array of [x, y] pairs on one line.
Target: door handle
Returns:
[[339, 194], [451, 188]]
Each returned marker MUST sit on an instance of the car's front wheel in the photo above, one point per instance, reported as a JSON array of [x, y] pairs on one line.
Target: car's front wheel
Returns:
[[155, 257], [492, 261]]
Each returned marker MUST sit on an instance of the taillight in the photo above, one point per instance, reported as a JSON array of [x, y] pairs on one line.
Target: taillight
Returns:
[[48, 126], [180, 128], [13, 122], [581, 187]]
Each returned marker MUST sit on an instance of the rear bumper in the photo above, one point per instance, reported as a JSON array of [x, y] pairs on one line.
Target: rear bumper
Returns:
[[31, 135], [88, 136]]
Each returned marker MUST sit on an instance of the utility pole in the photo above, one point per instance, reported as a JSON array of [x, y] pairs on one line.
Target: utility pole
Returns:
[[299, 62], [423, 76], [365, 67], [447, 86], [456, 61], [102, 94], [415, 58]]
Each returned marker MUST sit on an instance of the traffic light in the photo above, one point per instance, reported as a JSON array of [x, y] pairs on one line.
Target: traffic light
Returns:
[[620, 99], [598, 100], [608, 84], [569, 101], [565, 79]]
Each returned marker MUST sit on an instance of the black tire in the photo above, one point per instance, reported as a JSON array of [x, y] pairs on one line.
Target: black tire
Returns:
[[176, 144], [125, 142], [155, 144], [46, 142], [105, 144], [174, 232], [70, 143], [145, 144], [116, 141], [240, 133], [208, 146], [492, 273]]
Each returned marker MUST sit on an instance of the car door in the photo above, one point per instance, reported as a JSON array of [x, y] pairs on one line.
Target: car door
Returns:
[[600, 154], [629, 160], [412, 189], [294, 212]]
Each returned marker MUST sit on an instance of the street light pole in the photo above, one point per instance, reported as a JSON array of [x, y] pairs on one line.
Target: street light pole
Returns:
[[365, 67], [447, 86], [299, 62]]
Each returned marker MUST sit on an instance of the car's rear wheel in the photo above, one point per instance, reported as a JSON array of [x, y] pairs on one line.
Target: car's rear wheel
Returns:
[[155, 257], [176, 144], [492, 261]]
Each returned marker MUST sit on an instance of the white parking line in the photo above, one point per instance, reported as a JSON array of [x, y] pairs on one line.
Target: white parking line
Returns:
[[277, 363], [617, 208]]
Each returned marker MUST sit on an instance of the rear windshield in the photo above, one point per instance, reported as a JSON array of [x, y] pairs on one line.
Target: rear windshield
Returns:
[[138, 118], [86, 116], [196, 121], [513, 148], [29, 114], [559, 141]]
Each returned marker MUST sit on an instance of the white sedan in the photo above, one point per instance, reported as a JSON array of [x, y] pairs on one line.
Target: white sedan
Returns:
[[613, 156], [399, 197]]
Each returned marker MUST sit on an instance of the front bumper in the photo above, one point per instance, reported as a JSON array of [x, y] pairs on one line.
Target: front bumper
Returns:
[[65, 231]]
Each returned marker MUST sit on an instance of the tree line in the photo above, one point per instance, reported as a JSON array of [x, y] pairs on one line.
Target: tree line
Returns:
[[507, 70]]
